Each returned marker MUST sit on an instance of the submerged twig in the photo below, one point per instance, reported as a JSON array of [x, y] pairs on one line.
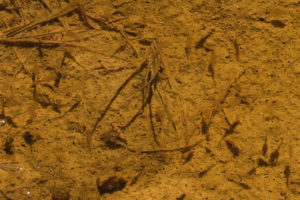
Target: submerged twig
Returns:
[[48, 44], [175, 149], [64, 11], [117, 93]]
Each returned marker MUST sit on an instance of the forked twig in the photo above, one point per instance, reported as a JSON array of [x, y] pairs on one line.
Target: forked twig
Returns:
[[98, 120], [139, 112]]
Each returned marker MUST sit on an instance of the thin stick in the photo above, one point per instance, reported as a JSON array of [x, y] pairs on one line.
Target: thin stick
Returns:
[[64, 11], [139, 112], [175, 149], [150, 95], [98, 120], [166, 111], [35, 42], [47, 44], [51, 33]]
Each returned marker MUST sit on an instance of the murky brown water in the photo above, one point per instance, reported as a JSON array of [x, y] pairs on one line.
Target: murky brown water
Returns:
[[149, 99]]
